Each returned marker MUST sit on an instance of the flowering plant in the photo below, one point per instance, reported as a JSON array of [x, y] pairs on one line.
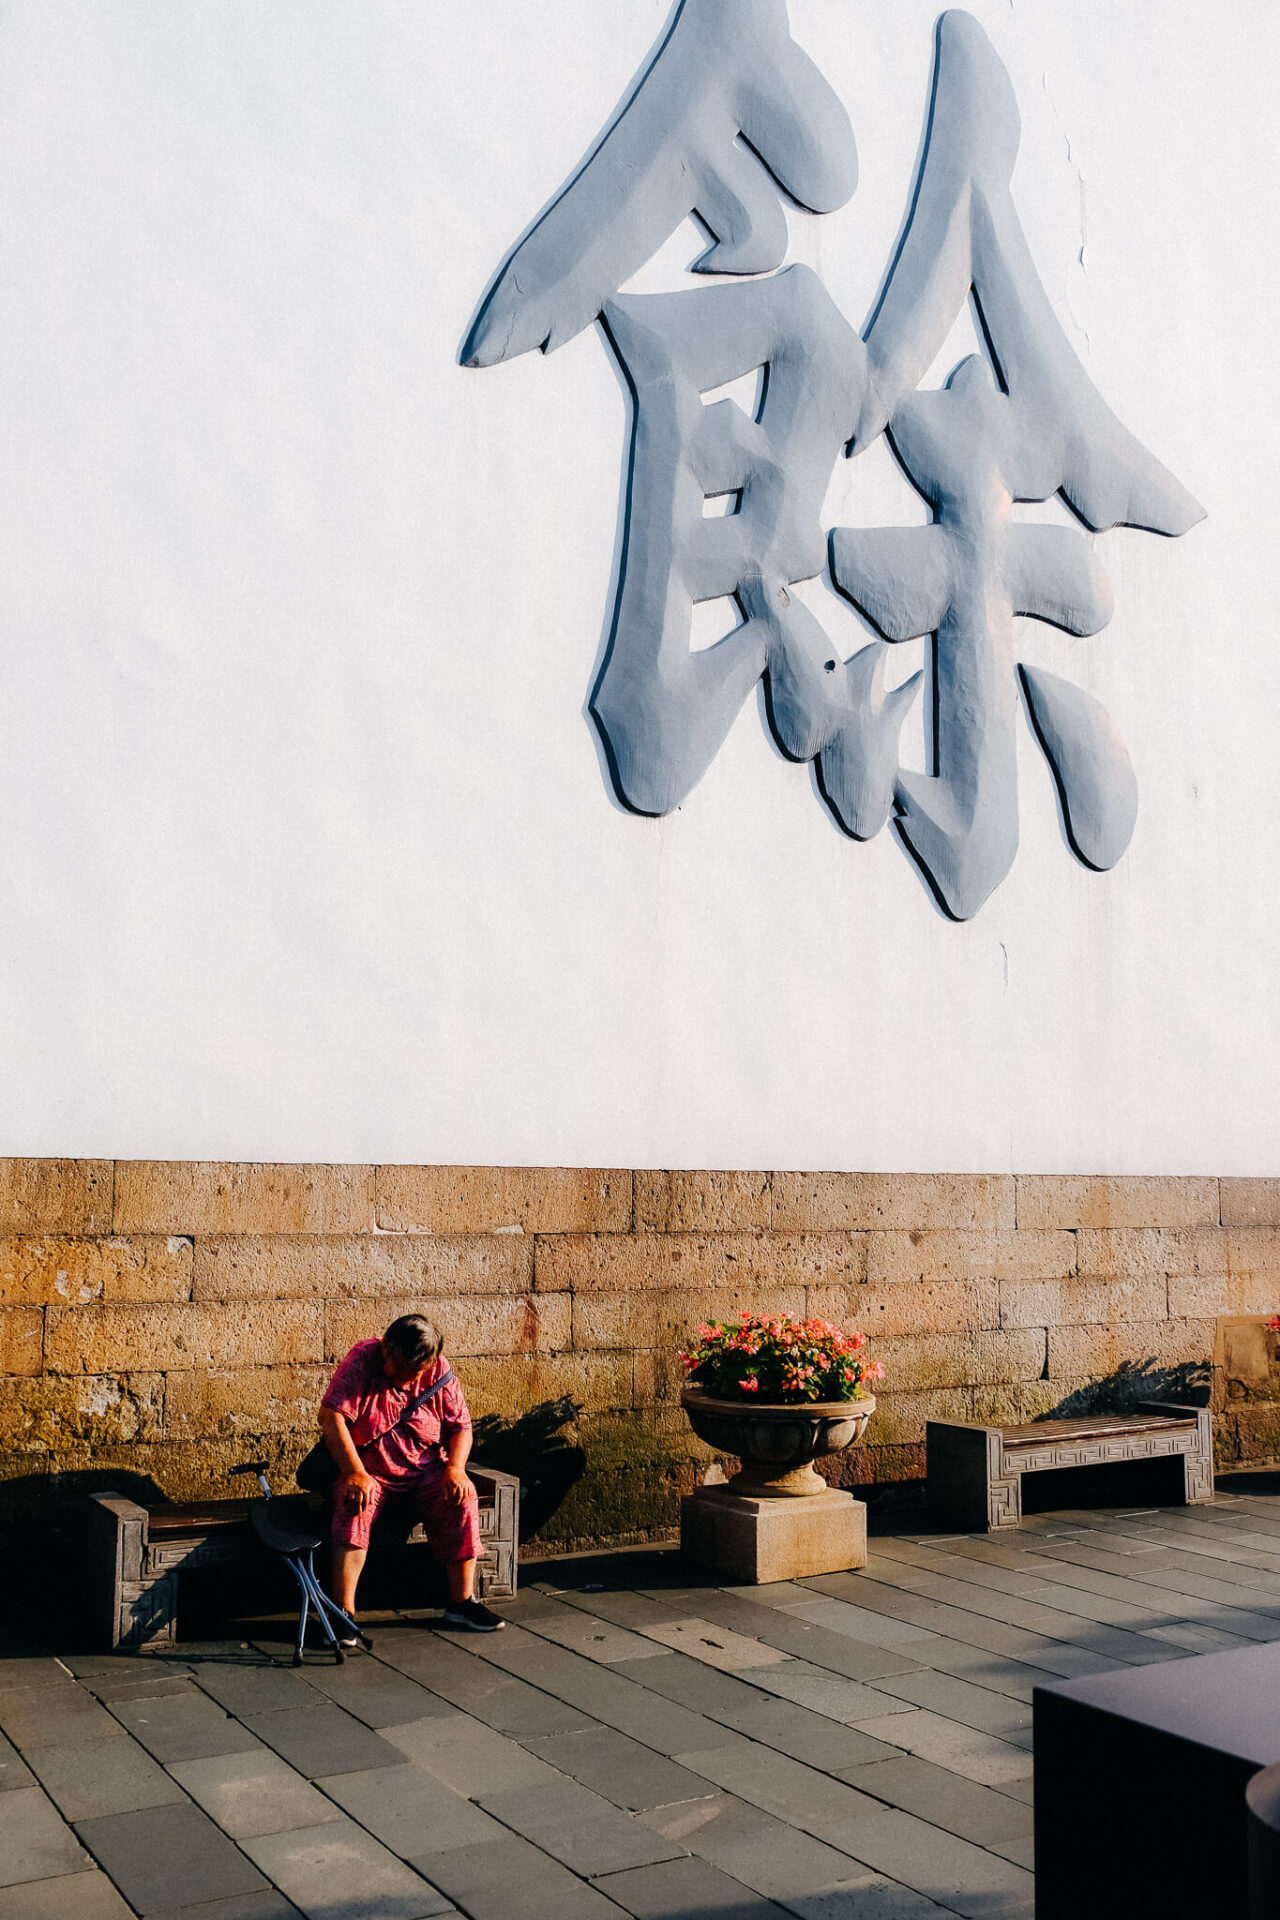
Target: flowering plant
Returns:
[[784, 1359]]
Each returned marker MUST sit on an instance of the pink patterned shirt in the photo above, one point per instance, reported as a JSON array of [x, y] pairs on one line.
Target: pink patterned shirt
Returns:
[[367, 1401]]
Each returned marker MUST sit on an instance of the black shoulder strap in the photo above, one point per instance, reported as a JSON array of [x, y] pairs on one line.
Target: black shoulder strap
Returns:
[[419, 1400]]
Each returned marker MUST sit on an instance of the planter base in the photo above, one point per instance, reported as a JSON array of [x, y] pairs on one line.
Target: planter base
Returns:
[[759, 1540]]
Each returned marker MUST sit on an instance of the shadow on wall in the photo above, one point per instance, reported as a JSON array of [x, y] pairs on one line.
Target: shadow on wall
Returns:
[[534, 1447], [1135, 1381]]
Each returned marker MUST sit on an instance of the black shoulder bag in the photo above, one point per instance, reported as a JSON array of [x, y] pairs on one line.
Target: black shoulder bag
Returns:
[[318, 1470]]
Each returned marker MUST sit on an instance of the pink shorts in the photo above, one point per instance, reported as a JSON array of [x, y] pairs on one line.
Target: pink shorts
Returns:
[[453, 1529]]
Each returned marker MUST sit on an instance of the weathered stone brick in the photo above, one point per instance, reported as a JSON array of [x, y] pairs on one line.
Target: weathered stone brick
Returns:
[[976, 1202], [229, 1403], [1212, 1294], [497, 1199], [900, 1418], [300, 1266], [1253, 1250], [1141, 1200], [1250, 1203], [74, 1272], [1073, 1303], [1014, 1404], [908, 1258], [621, 1262], [507, 1388], [961, 1359], [104, 1339], [679, 1202], [183, 1469], [498, 1324], [214, 1196], [55, 1196], [1100, 1350], [667, 1317], [44, 1415], [955, 1306], [21, 1339], [1151, 1253]]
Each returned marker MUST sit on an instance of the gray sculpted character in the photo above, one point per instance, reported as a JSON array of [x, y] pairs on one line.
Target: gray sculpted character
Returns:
[[727, 117], [726, 111]]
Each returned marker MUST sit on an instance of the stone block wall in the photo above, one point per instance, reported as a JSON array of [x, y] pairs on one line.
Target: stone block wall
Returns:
[[161, 1321]]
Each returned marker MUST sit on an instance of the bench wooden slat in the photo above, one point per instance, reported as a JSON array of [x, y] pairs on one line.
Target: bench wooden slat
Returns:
[[1091, 1426]]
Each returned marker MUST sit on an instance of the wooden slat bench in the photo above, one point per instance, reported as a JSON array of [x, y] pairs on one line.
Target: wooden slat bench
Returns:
[[137, 1553], [975, 1473]]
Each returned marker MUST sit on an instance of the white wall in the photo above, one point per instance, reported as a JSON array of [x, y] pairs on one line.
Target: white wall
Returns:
[[305, 849]]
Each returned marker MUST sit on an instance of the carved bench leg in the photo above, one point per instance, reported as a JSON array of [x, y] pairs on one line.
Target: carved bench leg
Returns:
[[1198, 1464]]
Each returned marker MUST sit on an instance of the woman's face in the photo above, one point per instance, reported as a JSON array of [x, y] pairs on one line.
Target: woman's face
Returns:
[[399, 1371]]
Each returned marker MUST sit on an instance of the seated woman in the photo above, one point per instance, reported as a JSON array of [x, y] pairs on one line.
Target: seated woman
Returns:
[[385, 1443]]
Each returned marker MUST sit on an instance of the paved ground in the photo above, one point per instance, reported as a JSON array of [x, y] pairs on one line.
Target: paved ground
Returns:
[[637, 1741]]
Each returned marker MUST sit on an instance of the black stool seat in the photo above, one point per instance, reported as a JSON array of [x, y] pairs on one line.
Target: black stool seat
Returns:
[[285, 1524]]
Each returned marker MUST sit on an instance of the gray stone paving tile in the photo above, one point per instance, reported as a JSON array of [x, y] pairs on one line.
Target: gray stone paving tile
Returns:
[[183, 1727], [804, 1639], [1068, 1661], [339, 1872], [476, 1686], [824, 1693], [677, 1889], [72, 1896], [110, 1776], [512, 1880], [253, 1793], [861, 1623], [979, 1756], [578, 1828], [469, 1756], [615, 1696], [254, 1687], [410, 1811], [869, 1898], [691, 1684], [169, 1857], [32, 1670], [107, 1666], [768, 1855], [13, 1770], [1004, 1577], [826, 1744], [1024, 1790], [379, 1695], [829, 1809], [960, 1700], [619, 1768], [626, 1609], [113, 1690], [268, 1905], [1117, 1643], [588, 1634], [53, 1716], [322, 1740], [35, 1842], [945, 1799]]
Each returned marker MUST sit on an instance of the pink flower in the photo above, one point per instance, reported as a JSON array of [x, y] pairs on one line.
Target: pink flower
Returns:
[[749, 1386]]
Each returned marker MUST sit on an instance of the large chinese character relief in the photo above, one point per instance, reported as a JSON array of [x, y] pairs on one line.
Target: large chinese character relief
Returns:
[[727, 112]]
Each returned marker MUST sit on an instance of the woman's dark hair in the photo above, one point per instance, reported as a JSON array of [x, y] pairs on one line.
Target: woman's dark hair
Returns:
[[415, 1338]]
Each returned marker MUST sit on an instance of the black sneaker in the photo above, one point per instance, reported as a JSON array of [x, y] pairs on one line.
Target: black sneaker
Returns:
[[473, 1615]]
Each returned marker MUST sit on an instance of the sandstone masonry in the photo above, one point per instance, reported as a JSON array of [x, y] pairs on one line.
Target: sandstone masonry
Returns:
[[163, 1320]]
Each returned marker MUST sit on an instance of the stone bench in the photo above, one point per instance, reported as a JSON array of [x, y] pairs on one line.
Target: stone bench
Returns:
[[975, 1473], [137, 1553]]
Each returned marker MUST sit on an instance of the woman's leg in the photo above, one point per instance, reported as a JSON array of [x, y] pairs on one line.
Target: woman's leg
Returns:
[[349, 1538], [453, 1532]]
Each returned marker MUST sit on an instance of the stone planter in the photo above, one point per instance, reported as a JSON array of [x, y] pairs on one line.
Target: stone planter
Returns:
[[777, 1444], [776, 1519]]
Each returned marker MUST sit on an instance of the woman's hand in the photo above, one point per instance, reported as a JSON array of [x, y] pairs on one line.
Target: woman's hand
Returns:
[[358, 1491], [456, 1484]]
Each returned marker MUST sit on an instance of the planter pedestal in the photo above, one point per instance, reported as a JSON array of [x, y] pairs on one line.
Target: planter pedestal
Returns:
[[762, 1539]]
